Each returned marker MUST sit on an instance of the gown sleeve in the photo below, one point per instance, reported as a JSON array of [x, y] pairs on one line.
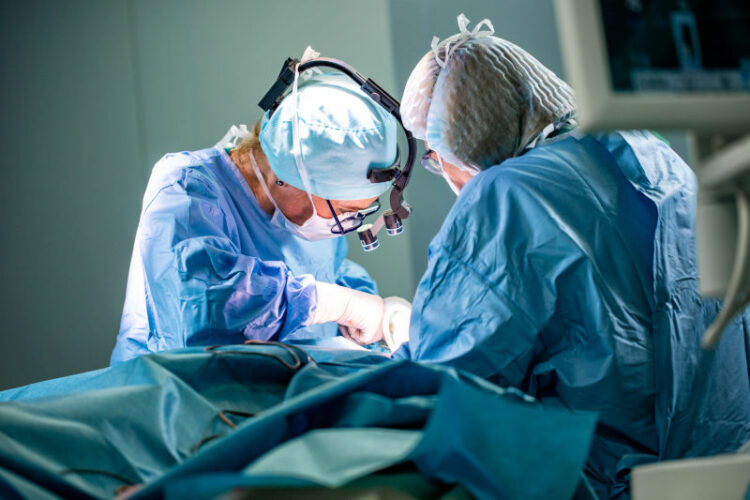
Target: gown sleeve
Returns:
[[352, 275], [201, 290]]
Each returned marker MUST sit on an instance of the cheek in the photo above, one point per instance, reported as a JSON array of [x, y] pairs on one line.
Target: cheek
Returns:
[[296, 207], [321, 207]]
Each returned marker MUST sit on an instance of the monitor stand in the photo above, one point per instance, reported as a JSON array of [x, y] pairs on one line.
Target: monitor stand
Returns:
[[723, 227]]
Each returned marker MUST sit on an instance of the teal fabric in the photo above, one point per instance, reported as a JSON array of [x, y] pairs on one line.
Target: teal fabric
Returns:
[[200, 423], [335, 457], [208, 267], [343, 134], [570, 273]]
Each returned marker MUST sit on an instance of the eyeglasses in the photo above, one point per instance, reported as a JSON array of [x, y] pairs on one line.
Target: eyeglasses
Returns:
[[354, 221], [431, 163]]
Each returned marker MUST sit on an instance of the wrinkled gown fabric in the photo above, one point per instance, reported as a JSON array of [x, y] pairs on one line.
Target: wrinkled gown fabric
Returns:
[[570, 273]]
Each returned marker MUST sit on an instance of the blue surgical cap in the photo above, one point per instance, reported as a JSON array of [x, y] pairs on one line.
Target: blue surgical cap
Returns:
[[343, 134]]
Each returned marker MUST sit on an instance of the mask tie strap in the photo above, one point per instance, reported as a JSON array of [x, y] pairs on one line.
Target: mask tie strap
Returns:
[[262, 181], [296, 146]]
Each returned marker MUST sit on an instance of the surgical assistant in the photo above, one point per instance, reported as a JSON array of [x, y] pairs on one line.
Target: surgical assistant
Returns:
[[567, 265], [239, 241]]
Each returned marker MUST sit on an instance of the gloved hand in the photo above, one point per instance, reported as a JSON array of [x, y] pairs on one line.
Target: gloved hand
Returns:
[[361, 312], [396, 318]]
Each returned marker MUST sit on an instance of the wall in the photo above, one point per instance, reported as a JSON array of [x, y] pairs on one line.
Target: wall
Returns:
[[93, 93]]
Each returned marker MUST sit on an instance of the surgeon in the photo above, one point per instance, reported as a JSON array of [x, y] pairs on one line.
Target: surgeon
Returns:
[[243, 240], [567, 265]]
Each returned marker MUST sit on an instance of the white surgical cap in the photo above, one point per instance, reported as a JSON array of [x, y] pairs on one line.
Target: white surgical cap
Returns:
[[342, 134], [478, 99]]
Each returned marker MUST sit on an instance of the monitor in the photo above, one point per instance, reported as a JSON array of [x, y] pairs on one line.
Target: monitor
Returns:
[[663, 64]]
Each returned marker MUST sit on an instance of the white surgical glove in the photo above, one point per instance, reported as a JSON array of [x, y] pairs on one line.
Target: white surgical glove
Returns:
[[361, 312], [396, 317]]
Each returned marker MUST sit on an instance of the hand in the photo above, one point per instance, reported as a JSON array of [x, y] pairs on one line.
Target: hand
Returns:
[[396, 318], [361, 312]]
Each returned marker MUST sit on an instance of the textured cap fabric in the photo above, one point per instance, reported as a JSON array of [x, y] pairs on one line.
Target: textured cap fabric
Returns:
[[343, 133], [478, 99]]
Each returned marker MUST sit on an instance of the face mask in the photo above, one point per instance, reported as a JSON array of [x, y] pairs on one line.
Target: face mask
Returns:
[[313, 229]]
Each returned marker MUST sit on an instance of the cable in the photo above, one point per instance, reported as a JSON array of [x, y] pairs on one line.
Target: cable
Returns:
[[297, 360]]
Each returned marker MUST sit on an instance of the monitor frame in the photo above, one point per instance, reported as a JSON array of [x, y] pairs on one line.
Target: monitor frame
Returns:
[[599, 107]]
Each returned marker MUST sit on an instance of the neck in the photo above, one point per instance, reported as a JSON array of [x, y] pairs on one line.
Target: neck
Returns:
[[242, 160]]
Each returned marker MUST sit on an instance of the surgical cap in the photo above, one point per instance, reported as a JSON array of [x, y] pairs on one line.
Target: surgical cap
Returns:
[[478, 99], [342, 133]]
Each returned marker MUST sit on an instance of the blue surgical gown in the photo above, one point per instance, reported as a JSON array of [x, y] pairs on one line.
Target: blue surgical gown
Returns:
[[208, 268], [570, 273]]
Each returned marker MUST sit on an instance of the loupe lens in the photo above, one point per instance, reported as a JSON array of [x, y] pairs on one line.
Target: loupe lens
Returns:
[[393, 225], [369, 241]]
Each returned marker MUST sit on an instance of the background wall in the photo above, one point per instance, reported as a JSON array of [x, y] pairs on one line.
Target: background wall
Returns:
[[94, 92]]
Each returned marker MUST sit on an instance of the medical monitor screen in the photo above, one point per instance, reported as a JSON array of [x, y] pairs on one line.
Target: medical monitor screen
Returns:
[[679, 46]]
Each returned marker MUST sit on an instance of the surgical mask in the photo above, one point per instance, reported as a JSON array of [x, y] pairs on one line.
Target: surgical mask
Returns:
[[313, 229]]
